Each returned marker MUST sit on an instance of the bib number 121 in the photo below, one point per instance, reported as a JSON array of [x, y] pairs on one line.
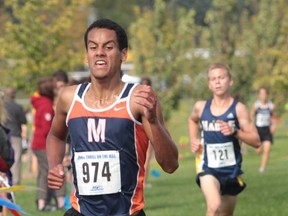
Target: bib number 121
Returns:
[[220, 155]]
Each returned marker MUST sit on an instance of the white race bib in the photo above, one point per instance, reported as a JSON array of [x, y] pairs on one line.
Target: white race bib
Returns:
[[98, 172], [220, 155], [263, 120]]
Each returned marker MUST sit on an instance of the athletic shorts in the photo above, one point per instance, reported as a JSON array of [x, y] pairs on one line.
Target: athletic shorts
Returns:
[[228, 186], [265, 134], [73, 212]]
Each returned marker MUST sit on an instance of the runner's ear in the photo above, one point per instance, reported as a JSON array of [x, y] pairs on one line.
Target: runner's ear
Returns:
[[124, 53]]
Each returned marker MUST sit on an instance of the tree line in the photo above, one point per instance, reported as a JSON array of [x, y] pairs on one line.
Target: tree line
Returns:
[[172, 41]]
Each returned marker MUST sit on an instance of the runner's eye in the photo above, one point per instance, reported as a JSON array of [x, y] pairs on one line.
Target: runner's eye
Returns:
[[109, 47]]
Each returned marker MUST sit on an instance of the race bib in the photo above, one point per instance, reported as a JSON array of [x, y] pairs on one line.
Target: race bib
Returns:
[[98, 172], [220, 155], [263, 120]]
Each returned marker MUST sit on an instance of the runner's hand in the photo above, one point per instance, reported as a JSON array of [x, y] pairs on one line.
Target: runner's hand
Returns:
[[195, 145], [56, 177], [146, 97], [225, 129]]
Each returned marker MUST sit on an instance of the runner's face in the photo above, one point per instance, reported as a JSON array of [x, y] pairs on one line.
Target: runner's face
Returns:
[[103, 54], [219, 82], [262, 95]]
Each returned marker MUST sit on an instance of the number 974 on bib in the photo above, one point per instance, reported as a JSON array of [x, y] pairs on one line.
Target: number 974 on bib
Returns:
[[98, 172]]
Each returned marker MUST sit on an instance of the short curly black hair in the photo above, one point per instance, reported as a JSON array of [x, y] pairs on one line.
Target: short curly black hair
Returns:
[[121, 35]]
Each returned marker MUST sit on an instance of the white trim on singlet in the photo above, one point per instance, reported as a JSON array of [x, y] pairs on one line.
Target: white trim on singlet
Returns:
[[104, 109], [72, 104], [128, 105], [118, 100]]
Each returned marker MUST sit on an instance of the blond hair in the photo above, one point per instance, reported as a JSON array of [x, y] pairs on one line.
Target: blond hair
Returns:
[[220, 66]]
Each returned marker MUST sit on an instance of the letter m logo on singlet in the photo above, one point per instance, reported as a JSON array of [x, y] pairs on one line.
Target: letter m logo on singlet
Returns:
[[96, 132]]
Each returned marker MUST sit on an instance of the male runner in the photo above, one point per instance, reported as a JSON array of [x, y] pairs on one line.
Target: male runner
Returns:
[[110, 124], [223, 121], [263, 115]]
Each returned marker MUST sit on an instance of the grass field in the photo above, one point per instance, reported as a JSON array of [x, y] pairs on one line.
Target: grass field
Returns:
[[178, 195]]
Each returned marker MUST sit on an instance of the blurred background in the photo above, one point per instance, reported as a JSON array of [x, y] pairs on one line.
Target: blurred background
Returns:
[[172, 42]]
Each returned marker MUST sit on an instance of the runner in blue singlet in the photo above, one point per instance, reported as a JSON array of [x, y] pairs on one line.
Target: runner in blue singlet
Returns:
[[223, 121]]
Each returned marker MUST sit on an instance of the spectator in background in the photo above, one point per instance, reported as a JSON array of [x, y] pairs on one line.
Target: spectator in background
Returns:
[[44, 113], [6, 151], [60, 80], [16, 122], [3, 138]]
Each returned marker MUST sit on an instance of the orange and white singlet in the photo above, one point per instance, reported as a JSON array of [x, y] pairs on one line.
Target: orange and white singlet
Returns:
[[108, 155]]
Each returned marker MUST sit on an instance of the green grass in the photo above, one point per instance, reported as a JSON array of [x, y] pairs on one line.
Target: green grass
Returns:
[[178, 195]]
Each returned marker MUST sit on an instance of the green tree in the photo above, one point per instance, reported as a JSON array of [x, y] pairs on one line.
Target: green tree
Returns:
[[39, 38], [161, 42], [267, 31], [118, 10], [224, 34], [250, 36]]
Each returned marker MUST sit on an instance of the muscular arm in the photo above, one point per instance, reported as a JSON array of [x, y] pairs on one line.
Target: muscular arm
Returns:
[[247, 132], [193, 121], [166, 152], [252, 113], [55, 142]]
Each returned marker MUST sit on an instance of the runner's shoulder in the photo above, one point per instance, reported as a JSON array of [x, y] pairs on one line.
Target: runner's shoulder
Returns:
[[67, 95], [68, 91], [199, 105], [241, 108]]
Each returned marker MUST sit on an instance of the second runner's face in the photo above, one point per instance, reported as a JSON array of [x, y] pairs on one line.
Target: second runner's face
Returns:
[[262, 95], [103, 54], [219, 82]]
